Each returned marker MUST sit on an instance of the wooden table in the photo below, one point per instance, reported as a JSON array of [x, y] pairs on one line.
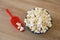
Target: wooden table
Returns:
[[19, 8]]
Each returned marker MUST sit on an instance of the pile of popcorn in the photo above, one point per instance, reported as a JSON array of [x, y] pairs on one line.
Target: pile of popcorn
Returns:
[[38, 20]]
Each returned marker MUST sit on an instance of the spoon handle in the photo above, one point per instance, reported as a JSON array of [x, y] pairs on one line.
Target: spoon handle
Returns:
[[7, 10]]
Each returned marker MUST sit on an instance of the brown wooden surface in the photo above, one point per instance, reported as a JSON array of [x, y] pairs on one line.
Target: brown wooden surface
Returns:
[[19, 8]]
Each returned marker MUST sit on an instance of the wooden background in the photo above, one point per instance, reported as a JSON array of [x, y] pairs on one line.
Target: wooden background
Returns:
[[19, 8]]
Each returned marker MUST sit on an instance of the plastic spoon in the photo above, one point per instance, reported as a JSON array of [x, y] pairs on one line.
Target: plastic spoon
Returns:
[[16, 21]]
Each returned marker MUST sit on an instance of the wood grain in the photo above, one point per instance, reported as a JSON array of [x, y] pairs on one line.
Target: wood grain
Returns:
[[19, 8]]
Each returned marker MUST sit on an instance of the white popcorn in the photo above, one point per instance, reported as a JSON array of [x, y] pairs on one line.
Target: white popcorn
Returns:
[[30, 27], [49, 19], [27, 15], [49, 25], [19, 26], [48, 15], [31, 24], [36, 31], [27, 24], [44, 27], [38, 20], [32, 15], [36, 8], [28, 11], [33, 28], [21, 29], [43, 31], [49, 22], [25, 20]]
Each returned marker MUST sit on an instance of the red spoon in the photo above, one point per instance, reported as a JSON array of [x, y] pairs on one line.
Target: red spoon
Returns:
[[16, 21]]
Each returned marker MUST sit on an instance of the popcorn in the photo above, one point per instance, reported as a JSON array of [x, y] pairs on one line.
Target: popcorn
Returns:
[[44, 27], [38, 20], [43, 31], [48, 15], [49, 19], [36, 31], [33, 28], [25, 20], [21, 29], [19, 26], [30, 27], [49, 25]]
